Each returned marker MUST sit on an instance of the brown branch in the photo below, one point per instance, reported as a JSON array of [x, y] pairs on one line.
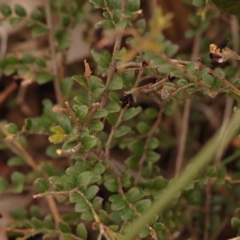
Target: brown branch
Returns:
[[113, 130], [113, 63], [207, 211], [147, 143], [183, 136], [229, 101], [73, 117], [56, 82], [29, 160], [7, 91], [120, 191]]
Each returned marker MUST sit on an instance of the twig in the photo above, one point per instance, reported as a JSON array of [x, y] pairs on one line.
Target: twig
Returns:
[[75, 190], [207, 211], [72, 116], [56, 82], [183, 137], [69, 152], [220, 228], [229, 101], [120, 191], [113, 61], [186, 112], [114, 128], [7, 91], [24, 154], [147, 143]]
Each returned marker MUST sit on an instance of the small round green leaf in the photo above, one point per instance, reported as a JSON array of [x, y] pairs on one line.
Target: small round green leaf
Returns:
[[84, 178], [81, 231], [89, 142], [121, 131], [19, 10], [91, 192], [3, 185], [38, 31], [44, 77], [63, 227], [5, 10], [41, 185]]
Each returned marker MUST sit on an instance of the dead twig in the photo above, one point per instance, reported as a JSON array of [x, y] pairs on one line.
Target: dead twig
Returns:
[[56, 82], [147, 143]]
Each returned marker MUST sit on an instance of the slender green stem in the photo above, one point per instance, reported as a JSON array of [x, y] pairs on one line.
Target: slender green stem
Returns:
[[204, 157]]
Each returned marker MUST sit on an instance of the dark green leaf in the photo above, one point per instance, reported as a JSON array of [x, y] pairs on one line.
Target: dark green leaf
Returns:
[[3, 184], [133, 5], [5, 9], [89, 142], [41, 62], [38, 31], [35, 211], [106, 24], [116, 84], [81, 231], [131, 113], [121, 131], [11, 128], [143, 127], [84, 178], [81, 80], [19, 180], [198, 3], [9, 70], [118, 203], [99, 168], [14, 21], [36, 223], [81, 112], [41, 185], [44, 77], [97, 203], [127, 213], [67, 237], [18, 213], [113, 107], [235, 223], [111, 185], [19, 10], [134, 194], [97, 86], [87, 216], [143, 205], [96, 125], [22, 69], [100, 113], [231, 7], [64, 227], [102, 59], [121, 24], [91, 192], [28, 58], [151, 113], [144, 232], [97, 3], [15, 161], [36, 15]]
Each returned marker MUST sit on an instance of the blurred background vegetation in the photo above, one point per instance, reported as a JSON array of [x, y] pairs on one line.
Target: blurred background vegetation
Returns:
[[38, 50]]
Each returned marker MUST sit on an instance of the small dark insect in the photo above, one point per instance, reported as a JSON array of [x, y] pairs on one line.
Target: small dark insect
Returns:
[[170, 77], [223, 44], [220, 53], [1, 215], [144, 64], [127, 100]]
